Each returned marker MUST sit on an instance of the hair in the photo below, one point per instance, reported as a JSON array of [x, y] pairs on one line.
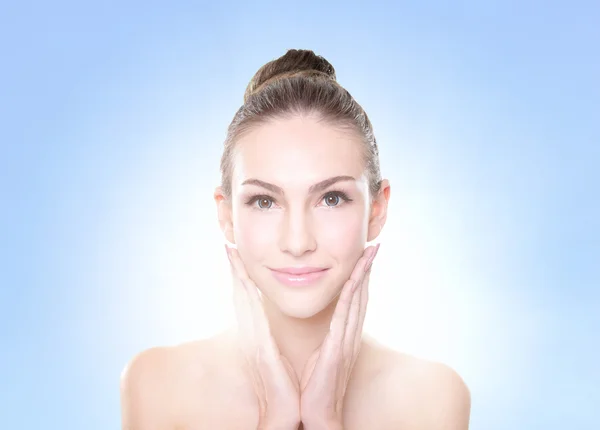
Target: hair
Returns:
[[300, 83]]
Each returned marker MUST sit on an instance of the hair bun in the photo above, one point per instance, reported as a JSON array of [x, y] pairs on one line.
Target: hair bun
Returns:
[[295, 62]]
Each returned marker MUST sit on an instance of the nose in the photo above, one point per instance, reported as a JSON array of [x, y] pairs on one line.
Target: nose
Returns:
[[297, 236]]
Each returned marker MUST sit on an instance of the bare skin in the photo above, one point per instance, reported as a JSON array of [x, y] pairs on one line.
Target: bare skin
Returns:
[[279, 218], [201, 385], [208, 384]]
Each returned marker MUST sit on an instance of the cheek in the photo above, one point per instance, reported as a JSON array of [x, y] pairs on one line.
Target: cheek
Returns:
[[254, 231], [343, 234]]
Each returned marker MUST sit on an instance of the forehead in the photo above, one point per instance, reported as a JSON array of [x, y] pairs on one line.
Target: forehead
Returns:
[[297, 152]]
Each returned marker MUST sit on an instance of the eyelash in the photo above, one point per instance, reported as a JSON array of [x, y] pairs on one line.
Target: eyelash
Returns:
[[337, 193]]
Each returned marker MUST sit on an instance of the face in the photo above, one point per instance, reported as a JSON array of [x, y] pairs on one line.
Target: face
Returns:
[[287, 211]]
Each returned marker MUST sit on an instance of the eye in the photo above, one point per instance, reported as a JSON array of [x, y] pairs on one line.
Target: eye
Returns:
[[264, 200], [331, 198], [334, 198], [261, 202]]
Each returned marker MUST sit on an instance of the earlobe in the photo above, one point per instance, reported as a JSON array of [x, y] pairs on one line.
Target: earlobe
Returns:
[[376, 223], [224, 214], [228, 232], [374, 231], [379, 211]]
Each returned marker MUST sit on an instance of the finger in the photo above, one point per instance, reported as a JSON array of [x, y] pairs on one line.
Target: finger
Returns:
[[351, 325], [353, 335], [361, 264], [250, 288], [238, 273], [327, 360], [237, 264], [238, 290], [243, 311], [244, 330], [337, 327], [357, 329], [364, 300], [265, 343], [332, 345], [340, 314], [373, 254]]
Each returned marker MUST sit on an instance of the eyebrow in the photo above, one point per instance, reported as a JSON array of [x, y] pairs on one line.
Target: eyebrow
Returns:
[[320, 186]]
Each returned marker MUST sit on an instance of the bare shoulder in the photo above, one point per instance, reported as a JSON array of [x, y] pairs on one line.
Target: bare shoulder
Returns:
[[425, 394], [154, 381]]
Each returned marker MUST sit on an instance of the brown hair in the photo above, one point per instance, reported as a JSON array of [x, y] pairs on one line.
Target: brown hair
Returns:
[[300, 83]]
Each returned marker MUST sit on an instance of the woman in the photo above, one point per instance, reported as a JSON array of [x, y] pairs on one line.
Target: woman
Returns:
[[301, 193]]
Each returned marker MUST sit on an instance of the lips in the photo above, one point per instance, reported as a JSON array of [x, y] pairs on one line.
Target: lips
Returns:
[[299, 270], [296, 277]]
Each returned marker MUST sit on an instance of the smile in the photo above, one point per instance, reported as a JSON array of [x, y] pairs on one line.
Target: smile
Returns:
[[298, 280]]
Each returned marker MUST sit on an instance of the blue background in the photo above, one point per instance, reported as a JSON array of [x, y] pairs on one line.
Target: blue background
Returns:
[[112, 117]]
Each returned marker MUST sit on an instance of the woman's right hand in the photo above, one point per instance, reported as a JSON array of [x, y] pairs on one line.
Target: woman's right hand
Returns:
[[275, 381]]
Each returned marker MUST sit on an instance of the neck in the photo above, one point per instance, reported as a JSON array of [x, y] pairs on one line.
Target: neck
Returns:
[[298, 338]]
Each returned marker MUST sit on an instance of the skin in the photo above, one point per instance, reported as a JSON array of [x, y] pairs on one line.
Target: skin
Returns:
[[317, 330], [314, 397]]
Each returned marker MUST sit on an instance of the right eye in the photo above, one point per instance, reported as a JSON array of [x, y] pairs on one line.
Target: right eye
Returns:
[[263, 202]]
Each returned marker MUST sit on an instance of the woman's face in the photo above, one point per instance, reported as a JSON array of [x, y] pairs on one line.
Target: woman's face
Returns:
[[281, 216]]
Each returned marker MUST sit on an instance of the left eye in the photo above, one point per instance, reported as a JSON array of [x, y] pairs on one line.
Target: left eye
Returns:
[[334, 199]]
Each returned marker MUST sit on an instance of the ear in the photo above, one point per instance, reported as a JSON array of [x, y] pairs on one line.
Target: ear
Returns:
[[378, 213], [225, 214]]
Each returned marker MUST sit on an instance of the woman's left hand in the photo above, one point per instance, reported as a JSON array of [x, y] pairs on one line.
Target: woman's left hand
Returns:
[[327, 372]]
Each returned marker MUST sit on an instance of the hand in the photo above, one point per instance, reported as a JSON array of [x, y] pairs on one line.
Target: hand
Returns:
[[274, 379], [327, 372]]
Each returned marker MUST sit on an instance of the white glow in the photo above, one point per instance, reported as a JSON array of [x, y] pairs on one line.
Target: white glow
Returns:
[[425, 298]]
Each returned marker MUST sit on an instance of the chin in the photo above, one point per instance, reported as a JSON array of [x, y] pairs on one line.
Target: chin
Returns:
[[300, 311], [304, 306]]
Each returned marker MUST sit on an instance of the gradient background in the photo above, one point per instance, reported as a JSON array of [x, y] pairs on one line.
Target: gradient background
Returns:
[[487, 115]]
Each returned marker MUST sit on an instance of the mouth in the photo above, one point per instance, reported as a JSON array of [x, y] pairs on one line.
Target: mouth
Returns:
[[299, 280]]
